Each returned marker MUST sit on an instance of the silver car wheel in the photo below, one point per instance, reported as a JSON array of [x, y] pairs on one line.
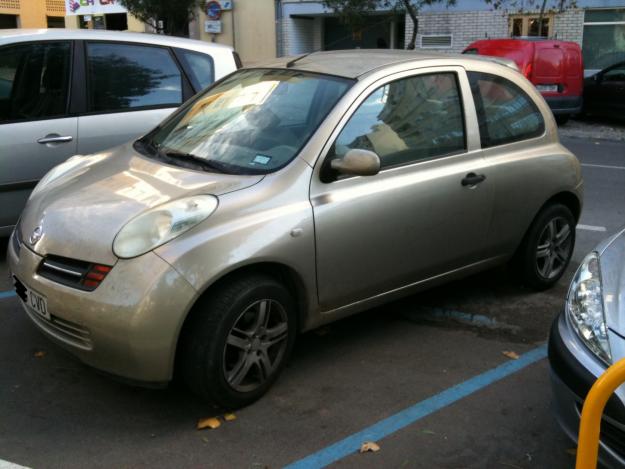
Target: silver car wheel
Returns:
[[554, 248], [255, 345]]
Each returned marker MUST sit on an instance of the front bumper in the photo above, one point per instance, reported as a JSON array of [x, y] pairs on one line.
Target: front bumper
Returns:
[[574, 369], [127, 327], [564, 105]]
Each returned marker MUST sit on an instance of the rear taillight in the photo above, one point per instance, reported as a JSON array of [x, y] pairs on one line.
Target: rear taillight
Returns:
[[94, 277], [527, 70]]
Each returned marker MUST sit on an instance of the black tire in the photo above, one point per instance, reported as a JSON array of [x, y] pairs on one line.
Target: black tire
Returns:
[[562, 119], [530, 262], [206, 351]]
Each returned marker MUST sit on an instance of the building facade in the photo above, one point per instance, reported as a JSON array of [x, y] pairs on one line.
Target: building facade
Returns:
[[247, 25], [598, 26], [32, 14]]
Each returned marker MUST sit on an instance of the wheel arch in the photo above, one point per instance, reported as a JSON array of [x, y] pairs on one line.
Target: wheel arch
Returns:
[[281, 272], [566, 198]]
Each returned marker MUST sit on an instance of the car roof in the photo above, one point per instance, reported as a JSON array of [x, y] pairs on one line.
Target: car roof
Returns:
[[355, 63], [25, 35]]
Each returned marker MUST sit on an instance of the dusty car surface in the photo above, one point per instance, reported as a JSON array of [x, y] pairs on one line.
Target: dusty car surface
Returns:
[[586, 338], [288, 196]]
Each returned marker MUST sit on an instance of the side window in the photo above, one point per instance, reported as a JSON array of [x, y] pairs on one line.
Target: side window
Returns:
[[34, 81], [407, 120], [199, 67], [505, 113], [124, 76]]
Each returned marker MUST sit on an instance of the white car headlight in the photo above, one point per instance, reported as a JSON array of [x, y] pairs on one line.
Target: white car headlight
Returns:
[[162, 224], [584, 305]]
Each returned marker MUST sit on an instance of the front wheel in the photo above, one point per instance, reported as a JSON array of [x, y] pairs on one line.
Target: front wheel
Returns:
[[547, 247], [237, 340]]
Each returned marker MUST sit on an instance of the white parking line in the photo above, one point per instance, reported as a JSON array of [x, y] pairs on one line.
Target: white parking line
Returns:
[[604, 166], [10, 465], [591, 228]]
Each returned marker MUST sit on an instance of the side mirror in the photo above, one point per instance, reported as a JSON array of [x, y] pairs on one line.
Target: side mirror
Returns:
[[357, 163]]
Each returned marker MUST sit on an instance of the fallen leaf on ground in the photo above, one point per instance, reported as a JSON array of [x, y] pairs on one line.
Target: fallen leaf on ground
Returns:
[[428, 432], [572, 451], [511, 354], [369, 446], [230, 417], [40, 354], [210, 422]]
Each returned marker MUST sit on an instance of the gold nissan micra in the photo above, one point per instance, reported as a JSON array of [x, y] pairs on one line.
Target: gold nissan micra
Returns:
[[287, 196]]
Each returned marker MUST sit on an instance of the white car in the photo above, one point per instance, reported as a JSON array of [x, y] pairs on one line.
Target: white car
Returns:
[[67, 92]]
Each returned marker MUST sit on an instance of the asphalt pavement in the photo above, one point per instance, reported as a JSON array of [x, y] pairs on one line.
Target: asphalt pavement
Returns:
[[425, 376]]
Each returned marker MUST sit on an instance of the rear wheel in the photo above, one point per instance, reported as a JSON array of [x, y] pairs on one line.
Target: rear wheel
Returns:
[[237, 340], [562, 119], [547, 247]]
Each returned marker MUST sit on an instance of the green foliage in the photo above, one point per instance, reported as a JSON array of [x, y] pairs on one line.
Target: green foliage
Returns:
[[175, 14]]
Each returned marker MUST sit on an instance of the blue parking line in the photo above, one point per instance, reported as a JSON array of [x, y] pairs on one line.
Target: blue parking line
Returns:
[[412, 414], [6, 294]]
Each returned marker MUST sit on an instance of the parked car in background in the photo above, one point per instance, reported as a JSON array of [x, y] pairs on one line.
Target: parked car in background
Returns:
[[67, 92], [586, 338], [289, 196], [604, 93], [554, 67]]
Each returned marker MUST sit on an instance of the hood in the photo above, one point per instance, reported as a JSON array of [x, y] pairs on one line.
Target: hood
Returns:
[[81, 212], [612, 261]]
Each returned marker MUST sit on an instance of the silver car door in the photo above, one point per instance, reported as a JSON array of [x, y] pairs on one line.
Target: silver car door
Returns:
[[35, 130], [428, 210]]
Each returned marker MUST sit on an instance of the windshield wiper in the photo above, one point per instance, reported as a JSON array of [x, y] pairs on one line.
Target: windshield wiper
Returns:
[[189, 158]]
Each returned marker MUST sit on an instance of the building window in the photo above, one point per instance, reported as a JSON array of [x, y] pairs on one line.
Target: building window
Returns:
[[55, 21], [604, 39], [528, 25], [8, 21]]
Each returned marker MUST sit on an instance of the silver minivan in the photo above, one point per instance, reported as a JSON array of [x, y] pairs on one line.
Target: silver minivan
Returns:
[[64, 92], [288, 196]]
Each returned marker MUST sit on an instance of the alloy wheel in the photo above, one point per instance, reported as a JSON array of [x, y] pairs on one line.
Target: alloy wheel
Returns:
[[554, 248], [255, 345]]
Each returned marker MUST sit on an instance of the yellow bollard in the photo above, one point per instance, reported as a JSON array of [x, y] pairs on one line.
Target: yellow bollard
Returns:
[[590, 423]]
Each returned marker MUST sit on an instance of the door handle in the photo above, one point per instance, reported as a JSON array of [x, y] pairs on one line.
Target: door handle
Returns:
[[472, 179], [55, 138]]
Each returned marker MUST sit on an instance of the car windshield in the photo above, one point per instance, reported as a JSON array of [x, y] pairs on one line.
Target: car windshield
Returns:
[[253, 122]]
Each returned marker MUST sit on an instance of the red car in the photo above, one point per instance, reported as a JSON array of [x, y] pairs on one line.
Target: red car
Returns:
[[554, 67]]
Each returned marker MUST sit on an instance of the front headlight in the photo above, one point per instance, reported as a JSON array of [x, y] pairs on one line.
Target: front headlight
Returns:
[[584, 305], [162, 224]]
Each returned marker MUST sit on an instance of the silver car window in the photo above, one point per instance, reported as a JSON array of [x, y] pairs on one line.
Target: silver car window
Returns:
[[34, 81], [123, 76]]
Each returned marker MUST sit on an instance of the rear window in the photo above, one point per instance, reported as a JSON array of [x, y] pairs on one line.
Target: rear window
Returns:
[[505, 113]]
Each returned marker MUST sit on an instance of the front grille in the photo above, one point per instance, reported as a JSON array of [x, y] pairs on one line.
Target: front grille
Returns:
[[69, 272], [612, 434], [67, 331]]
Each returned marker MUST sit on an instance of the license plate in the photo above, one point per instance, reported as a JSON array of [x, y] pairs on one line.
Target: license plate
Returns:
[[547, 88], [32, 300]]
